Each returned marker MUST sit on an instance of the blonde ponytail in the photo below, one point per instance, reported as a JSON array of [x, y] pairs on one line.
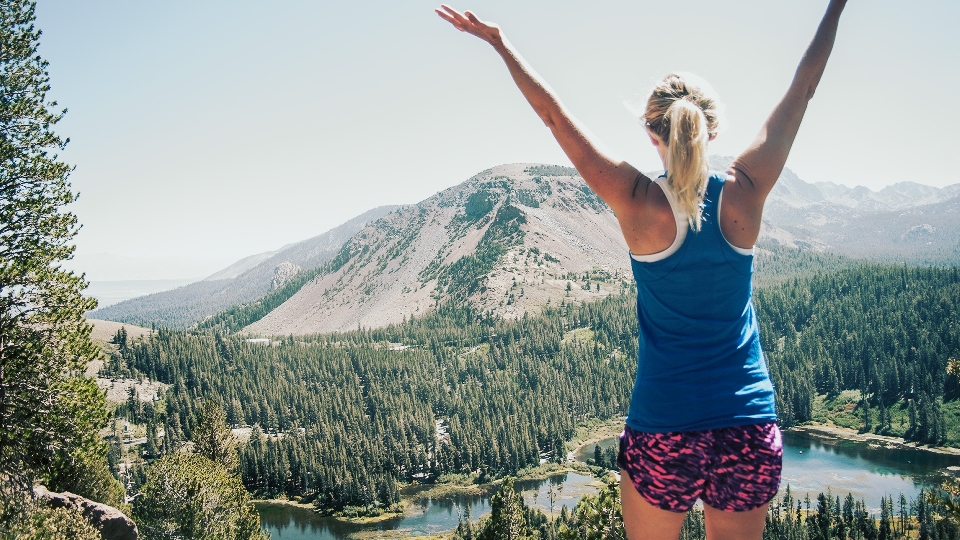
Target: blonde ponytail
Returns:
[[687, 166], [684, 113]]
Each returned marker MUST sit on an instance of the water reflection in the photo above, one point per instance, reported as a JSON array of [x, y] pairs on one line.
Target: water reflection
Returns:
[[868, 470], [430, 516]]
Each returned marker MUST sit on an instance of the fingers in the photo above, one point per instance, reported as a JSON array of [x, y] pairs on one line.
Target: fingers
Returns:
[[446, 17], [452, 16], [470, 23]]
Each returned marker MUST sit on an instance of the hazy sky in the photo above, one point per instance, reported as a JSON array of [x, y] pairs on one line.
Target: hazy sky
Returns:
[[203, 132]]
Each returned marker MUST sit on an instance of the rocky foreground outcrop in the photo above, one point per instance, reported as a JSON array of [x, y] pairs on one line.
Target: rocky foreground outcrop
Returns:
[[112, 523]]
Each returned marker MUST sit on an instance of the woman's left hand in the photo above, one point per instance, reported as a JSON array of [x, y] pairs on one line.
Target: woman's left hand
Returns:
[[468, 22]]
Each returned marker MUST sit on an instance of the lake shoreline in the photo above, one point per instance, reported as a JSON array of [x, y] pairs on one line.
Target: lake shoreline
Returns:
[[361, 520], [412, 501], [284, 502], [603, 430], [823, 431]]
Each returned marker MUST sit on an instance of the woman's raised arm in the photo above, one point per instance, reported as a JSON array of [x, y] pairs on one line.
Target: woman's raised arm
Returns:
[[757, 169], [614, 181]]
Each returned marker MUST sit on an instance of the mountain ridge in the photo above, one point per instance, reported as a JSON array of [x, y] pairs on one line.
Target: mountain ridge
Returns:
[[567, 243], [514, 237], [244, 281], [529, 217]]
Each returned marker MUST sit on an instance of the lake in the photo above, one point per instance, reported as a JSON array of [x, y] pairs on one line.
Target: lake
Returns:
[[869, 471], [811, 465], [432, 516]]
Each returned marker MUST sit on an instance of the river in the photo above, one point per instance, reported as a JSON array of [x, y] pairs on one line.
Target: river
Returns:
[[811, 465]]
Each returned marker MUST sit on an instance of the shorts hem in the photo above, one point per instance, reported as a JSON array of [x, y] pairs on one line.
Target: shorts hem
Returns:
[[673, 471]]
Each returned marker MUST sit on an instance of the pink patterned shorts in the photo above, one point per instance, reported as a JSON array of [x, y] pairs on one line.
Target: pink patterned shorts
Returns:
[[732, 469]]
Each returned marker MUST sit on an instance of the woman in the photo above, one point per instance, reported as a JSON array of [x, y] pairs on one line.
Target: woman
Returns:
[[702, 419]]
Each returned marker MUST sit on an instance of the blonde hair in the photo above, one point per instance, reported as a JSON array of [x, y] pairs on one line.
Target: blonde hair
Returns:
[[683, 111]]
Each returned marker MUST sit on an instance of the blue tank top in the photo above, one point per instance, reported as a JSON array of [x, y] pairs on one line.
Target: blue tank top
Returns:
[[699, 364]]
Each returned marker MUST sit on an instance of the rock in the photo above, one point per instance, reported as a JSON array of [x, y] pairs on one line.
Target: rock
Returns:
[[112, 523], [283, 273]]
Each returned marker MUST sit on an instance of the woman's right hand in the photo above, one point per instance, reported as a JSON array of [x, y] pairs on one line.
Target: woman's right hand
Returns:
[[468, 22]]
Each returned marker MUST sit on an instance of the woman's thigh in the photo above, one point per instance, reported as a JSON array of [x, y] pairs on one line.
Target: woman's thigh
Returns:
[[723, 525], [642, 520]]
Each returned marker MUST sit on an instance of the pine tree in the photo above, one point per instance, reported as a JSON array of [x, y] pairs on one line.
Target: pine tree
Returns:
[[865, 411], [822, 519], [212, 438], [152, 448], [903, 515], [464, 530], [848, 504], [886, 515], [507, 519], [600, 517], [925, 519], [188, 496], [49, 413]]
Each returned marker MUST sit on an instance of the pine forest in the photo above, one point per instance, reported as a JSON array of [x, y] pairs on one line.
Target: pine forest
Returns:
[[345, 419]]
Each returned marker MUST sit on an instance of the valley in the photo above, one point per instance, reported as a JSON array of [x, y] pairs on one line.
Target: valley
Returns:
[[471, 337]]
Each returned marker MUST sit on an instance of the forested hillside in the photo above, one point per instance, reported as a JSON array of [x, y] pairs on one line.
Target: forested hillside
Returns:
[[361, 412], [774, 264], [345, 418], [876, 338]]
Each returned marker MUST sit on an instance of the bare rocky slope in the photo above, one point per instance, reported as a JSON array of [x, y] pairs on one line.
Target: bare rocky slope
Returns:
[[508, 240], [515, 237], [243, 281]]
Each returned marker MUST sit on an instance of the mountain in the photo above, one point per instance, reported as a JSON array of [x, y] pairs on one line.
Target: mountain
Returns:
[[508, 240], [244, 281]]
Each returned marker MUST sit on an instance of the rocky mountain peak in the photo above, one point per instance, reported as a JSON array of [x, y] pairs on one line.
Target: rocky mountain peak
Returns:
[[508, 240]]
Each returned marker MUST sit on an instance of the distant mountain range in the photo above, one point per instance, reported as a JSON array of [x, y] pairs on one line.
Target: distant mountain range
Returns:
[[515, 237], [904, 222], [244, 281]]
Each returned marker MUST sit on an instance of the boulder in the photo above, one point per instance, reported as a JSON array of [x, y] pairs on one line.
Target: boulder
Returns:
[[112, 523]]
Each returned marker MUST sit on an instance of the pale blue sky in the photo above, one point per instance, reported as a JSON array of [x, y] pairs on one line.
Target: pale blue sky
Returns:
[[203, 132]]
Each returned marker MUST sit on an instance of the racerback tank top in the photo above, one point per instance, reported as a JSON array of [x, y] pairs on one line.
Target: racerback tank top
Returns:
[[699, 364]]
